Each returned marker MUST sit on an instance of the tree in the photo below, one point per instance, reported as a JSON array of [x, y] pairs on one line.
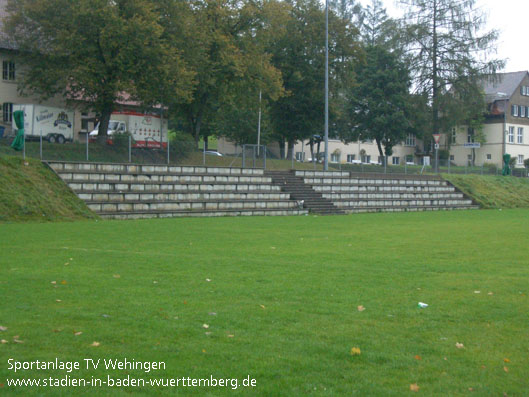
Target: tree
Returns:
[[377, 29], [95, 51], [226, 51], [300, 56], [381, 105], [448, 51]]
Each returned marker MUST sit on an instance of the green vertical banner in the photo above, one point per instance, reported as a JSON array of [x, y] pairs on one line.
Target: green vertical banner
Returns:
[[18, 143], [506, 167]]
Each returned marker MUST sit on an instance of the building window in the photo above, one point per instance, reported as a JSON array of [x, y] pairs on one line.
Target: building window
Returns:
[[350, 158], [300, 156], [366, 159], [510, 136], [335, 157], [470, 135], [522, 111], [410, 140], [520, 135], [454, 136], [514, 110], [7, 109], [8, 70], [409, 159], [452, 157], [520, 159], [489, 156], [395, 160]]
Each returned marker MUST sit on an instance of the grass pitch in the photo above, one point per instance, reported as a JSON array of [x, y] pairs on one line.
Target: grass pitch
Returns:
[[281, 304]]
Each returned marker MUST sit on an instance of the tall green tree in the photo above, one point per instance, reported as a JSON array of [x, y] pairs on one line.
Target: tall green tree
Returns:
[[378, 29], [381, 105], [300, 56], [226, 51], [449, 51], [97, 52]]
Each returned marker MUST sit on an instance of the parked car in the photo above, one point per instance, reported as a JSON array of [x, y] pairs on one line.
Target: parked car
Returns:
[[213, 153]]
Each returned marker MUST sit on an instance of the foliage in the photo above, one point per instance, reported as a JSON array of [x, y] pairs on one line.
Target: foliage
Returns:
[[380, 104], [121, 140], [300, 56], [95, 52], [181, 144], [448, 58], [226, 50]]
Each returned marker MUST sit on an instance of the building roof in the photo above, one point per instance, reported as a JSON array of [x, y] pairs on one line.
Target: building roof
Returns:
[[6, 43], [503, 85]]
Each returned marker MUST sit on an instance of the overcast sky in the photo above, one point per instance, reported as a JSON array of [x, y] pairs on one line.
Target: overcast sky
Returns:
[[509, 17]]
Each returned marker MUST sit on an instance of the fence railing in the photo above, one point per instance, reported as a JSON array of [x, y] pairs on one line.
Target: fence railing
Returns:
[[124, 150]]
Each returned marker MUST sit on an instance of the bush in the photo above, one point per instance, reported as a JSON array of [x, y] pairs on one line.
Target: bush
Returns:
[[181, 144], [121, 140], [526, 163], [444, 154], [490, 168]]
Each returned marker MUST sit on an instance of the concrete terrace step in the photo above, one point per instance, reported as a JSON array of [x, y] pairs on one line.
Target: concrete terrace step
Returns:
[[391, 195], [179, 196], [203, 213], [134, 206], [373, 182], [159, 177], [381, 188], [59, 166], [401, 203], [168, 186], [408, 209]]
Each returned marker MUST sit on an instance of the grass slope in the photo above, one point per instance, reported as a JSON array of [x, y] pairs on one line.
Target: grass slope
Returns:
[[33, 192], [280, 297], [493, 191]]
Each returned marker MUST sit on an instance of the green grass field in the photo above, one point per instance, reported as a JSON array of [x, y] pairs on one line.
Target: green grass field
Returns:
[[279, 297]]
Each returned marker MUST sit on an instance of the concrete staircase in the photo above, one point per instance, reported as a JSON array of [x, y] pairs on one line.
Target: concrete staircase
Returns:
[[298, 190], [129, 191], [375, 193]]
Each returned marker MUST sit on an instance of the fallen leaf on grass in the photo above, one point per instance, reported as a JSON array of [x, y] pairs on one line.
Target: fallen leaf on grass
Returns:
[[355, 351], [477, 292], [54, 282], [230, 336], [506, 369], [470, 389], [78, 333], [506, 360], [414, 387], [3, 328], [63, 282], [116, 276], [3, 341], [95, 344], [459, 345], [361, 308], [212, 313], [16, 340], [417, 357], [155, 282], [203, 350], [208, 280], [490, 293], [273, 248], [206, 326], [262, 306], [58, 300], [208, 333], [67, 263]]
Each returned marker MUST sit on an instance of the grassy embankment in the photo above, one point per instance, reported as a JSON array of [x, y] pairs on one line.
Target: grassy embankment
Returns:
[[493, 191], [32, 192]]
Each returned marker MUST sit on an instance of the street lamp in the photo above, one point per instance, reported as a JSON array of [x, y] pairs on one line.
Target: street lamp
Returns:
[[326, 135]]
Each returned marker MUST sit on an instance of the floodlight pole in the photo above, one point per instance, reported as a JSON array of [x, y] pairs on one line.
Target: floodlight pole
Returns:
[[326, 135]]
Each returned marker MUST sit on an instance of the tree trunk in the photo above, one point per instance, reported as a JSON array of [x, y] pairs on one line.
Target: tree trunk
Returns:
[[206, 143], [380, 150], [102, 134], [281, 148], [311, 142], [290, 152], [435, 71]]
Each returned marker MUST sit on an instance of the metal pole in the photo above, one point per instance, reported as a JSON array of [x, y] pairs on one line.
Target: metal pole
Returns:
[[168, 155], [243, 156], [40, 148], [264, 159], [259, 126], [253, 154], [385, 164], [87, 135], [326, 136], [130, 150], [24, 154], [204, 152]]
